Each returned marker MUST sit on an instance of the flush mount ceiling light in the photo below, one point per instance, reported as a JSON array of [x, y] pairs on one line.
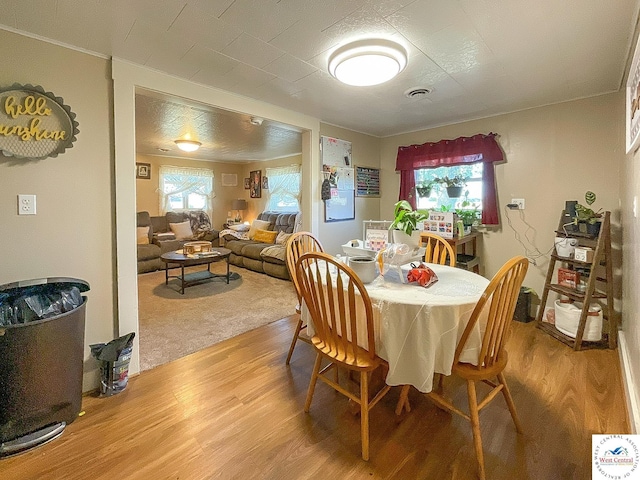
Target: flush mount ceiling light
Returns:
[[367, 62], [188, 145]]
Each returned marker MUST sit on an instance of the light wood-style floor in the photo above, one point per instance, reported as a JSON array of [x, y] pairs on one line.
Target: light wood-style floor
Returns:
[[235, 411]]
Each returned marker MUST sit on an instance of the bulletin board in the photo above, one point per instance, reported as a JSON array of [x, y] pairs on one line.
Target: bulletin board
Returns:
[[335, 152], [367, 182], [340, 207]]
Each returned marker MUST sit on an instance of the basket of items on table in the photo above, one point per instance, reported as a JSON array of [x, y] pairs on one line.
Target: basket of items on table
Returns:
[[394, 256]]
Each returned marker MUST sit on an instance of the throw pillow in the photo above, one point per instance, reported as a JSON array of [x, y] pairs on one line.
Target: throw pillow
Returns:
[[265, 236], [143, 235], [257, 225], [182, 231], [241, 227], [282, 238]]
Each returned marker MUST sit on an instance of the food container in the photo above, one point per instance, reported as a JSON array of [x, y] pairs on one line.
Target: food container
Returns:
[[583, 254], [364, 267], [568, 317]]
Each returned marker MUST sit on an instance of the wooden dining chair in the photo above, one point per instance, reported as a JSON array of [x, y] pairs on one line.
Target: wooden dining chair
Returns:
[[297, 244], [499, 302], [438, 250], [342, 316]]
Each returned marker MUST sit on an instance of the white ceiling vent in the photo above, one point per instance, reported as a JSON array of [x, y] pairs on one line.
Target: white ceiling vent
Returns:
[[418, 92]]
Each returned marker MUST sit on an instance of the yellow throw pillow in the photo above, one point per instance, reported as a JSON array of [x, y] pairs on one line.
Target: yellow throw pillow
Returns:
[[182, 231], [255, 226], [265, 236], [143, 235]]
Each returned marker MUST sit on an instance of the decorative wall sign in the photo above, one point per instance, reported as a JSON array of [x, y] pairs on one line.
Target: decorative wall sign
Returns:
[[256, 183], [247, 183], [143, 170], [35, 124], [367, 182], [633, 101]]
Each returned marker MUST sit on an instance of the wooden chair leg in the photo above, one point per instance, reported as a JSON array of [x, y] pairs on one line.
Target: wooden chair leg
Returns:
[[403, 401], [299, 327], [475, 427], [509, 399], [364, 414], [312, 383]]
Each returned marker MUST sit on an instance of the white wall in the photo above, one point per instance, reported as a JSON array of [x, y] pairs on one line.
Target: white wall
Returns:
[[72, 233], [630, 338], [365, 152]]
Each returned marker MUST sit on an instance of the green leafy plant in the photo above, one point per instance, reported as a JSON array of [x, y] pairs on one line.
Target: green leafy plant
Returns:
[[406, 218], [457, 181], [585, 214], [468, 211], [424, 188]]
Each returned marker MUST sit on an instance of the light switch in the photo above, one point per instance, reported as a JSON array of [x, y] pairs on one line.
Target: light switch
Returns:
[[26, 204]]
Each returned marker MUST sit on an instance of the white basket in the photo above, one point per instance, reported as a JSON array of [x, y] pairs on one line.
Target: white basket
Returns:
[[568, 318]]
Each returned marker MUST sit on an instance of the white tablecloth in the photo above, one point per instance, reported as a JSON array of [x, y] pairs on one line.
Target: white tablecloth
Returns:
[[417, 329]]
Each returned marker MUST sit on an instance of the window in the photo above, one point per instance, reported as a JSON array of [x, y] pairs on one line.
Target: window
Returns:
[[471, 193], [284, 188], [184, 188]]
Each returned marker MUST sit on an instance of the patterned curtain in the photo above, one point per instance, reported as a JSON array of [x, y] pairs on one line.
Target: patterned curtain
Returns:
[[185, 181], [284, 182]]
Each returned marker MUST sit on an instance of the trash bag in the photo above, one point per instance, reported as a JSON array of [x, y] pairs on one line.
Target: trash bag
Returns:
[[114, 360], [38, 303]]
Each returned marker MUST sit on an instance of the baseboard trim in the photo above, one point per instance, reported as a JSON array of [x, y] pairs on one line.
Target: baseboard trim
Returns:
[[633, 404]]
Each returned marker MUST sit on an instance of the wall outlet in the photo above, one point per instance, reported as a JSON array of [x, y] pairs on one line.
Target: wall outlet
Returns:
[[26, 204], [519, 202]]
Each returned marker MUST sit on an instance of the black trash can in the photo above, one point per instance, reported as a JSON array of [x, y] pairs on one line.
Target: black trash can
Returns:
[[41, 360], [523, 306]]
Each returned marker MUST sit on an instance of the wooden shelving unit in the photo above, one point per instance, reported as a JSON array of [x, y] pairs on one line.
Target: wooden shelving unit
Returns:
[[598, 288]]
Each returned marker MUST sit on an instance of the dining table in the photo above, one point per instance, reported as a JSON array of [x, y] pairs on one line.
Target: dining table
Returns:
[[416, 328]]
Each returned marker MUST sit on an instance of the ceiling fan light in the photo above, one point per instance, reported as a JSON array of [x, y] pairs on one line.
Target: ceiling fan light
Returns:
[[367, 62], [188, 145]]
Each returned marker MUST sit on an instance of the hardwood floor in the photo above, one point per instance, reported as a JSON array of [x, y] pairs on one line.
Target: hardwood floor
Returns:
[[235, 410]]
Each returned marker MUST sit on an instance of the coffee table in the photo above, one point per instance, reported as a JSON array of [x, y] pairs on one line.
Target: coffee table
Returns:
[[181, 260]]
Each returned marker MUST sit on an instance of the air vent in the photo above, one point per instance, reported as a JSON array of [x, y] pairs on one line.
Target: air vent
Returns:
[[418, 92]]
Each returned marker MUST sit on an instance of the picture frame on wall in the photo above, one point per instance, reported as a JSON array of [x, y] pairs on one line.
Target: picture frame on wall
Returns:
[[255, 190], [143, 171], [265, 183], [632, 110], [247, 183]]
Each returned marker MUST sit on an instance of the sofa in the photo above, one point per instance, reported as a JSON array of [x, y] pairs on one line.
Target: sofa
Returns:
[[260, 256], [155, 236]]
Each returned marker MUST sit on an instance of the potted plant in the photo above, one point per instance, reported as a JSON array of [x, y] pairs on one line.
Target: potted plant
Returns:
[[454, 185], [424, 188], [406, 221], [587, 217]]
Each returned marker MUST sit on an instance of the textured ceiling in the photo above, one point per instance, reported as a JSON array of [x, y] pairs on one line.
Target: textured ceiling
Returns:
[[480, 57], [225, 136]]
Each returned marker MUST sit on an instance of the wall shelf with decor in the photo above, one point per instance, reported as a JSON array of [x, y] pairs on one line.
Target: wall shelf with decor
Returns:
[[584, 277]]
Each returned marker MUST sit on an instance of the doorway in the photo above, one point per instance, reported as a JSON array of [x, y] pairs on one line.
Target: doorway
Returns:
[[127, 78]]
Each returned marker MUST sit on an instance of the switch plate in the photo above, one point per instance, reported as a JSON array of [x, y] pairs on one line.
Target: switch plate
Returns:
[[519, 202], [26, 204]]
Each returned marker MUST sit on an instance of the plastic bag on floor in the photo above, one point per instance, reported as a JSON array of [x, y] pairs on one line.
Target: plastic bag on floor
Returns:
[[114, 360]]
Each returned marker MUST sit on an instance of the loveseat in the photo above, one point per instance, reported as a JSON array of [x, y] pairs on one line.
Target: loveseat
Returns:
[[155, 236], [263, 256]]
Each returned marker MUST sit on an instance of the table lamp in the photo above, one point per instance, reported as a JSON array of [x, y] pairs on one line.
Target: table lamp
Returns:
[[237, 205]]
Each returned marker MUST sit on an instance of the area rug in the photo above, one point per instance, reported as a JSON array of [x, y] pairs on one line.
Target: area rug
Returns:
[[174, 325]]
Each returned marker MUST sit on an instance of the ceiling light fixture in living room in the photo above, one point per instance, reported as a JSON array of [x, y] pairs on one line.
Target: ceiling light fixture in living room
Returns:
[[187, 145], [367, 62]]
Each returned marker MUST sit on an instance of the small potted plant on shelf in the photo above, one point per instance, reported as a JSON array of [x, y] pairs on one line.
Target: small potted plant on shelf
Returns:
[[586, 217], [406, 222], [424, 188], [453, 185]]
